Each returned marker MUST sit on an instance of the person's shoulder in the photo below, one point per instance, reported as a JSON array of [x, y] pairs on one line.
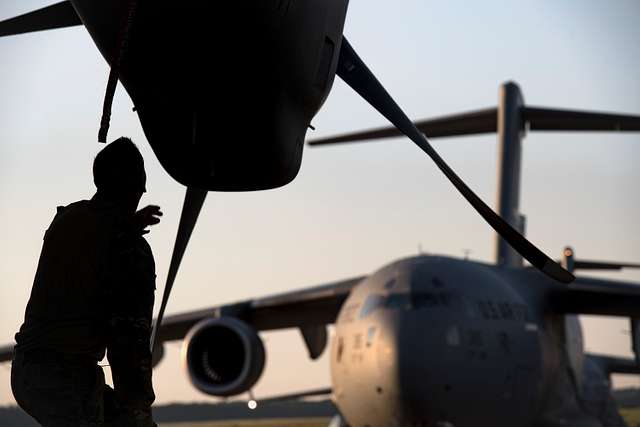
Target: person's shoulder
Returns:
[[80, 216], [75, 208], [73, 212]]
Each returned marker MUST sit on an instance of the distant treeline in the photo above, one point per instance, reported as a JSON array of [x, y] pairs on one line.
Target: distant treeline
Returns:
[[12, 416], [239, 410], [627, 397]]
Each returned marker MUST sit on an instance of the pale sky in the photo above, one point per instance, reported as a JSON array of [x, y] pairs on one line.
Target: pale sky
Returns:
[[352, 209]]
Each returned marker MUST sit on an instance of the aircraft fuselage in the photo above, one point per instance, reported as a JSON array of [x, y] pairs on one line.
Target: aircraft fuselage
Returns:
[[224, 91], [435, 341]]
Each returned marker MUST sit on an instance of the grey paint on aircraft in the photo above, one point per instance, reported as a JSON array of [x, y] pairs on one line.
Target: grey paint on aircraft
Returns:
[[510, 127], [448, 331], [423, 335]]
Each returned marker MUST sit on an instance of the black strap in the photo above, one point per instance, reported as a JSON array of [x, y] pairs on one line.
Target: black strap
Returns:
[[115, 70]]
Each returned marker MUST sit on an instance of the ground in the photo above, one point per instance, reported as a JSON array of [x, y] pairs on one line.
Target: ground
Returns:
[[290, 422], [631, 416]]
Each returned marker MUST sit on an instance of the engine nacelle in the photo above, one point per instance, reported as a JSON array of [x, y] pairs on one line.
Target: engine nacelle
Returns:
[[223, 356]]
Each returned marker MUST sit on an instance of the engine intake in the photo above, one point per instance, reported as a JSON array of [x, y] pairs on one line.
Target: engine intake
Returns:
[[223, 356]]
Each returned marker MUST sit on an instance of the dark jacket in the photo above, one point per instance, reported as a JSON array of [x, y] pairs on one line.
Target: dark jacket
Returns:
[[94, 291]]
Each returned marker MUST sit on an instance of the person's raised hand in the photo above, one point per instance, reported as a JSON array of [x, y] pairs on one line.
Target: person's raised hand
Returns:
[[147, 216]]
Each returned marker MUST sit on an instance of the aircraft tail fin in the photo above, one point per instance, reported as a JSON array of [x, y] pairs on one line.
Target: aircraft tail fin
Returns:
[[58, 15]]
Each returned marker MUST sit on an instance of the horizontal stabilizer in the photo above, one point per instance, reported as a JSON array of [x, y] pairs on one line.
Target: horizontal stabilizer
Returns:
[[309, 307], [589, 295], [547, 119], [615, 365], [602, 265], [469, 123], [486, 121], [59, 15]]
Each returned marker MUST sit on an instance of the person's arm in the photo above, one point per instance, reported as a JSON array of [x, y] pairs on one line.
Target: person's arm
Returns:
[[130, 329]]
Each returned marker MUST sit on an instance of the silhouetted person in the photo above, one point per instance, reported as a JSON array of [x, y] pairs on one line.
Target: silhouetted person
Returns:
[[93, 291]]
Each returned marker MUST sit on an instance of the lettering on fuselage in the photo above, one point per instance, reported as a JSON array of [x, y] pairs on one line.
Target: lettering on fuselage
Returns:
[[505, 342], [357, 341], [357, 355], [502, 310], [348, 314], [475, 342]]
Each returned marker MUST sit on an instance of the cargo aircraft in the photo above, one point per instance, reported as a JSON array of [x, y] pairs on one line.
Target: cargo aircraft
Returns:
[[416, 340], [434, 340]]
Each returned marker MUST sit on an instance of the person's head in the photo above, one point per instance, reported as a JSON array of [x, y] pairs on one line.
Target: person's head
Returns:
[[118, 173]]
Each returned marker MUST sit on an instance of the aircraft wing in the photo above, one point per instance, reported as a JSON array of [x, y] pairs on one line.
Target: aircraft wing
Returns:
[[587, 295], [6, 353], [308, 307], [315, 306], [59, 15]]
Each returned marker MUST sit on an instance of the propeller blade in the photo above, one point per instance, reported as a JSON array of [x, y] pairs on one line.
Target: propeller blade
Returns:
[[355, 73], [193, 201]]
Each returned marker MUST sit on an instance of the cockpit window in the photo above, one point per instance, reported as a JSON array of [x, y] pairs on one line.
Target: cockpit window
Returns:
[[430, 299], [400, 301], [390, 284], [371, 303]]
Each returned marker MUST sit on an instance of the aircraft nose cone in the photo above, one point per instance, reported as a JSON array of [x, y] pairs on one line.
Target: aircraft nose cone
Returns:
[[219, 150], [224, 90]]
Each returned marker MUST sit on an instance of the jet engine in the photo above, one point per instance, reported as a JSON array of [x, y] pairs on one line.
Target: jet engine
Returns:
[[223, 356]]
